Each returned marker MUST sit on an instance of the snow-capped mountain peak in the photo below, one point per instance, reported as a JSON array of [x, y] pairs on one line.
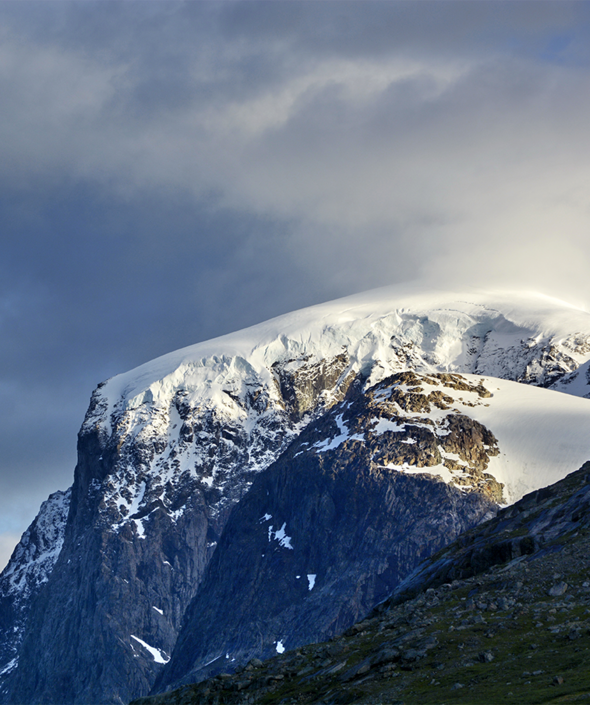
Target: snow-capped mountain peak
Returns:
[[263, 384], [403, 390]]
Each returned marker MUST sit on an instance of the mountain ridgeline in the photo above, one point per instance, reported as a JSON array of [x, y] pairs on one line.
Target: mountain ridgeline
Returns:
[[267, 489]]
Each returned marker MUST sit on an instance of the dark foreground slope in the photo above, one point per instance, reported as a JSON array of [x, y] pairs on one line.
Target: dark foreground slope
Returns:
[[512, 626]]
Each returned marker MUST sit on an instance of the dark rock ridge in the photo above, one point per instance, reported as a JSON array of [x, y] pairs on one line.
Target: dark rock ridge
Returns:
[[529, 527], [512, 625], [28, 570], [168, 451]]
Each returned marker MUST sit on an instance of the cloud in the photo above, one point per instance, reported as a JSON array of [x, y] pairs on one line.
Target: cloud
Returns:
[[422, 133]]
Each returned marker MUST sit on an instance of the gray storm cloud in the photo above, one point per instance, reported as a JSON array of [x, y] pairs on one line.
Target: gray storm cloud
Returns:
[[171, 171], [439, 155]]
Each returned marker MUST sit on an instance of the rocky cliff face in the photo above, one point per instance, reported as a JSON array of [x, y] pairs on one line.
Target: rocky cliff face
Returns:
[[168, 451], [540, 522], [149, 502]]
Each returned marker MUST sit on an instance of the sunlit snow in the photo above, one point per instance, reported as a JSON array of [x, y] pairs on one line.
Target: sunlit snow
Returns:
[[157, 655], [344, 435], [380, 332], [385, 425]]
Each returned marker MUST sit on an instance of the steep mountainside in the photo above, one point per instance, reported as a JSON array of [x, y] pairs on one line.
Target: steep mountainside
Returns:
[[168, 450], [329, 529], [500, 615]]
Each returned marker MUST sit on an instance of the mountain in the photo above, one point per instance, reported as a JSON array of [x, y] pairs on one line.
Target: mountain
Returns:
[[29, 569], [499, 615], [379, 426]]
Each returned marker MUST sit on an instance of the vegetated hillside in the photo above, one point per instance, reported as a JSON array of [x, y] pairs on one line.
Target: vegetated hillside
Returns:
[[169, 451], [501, 615]]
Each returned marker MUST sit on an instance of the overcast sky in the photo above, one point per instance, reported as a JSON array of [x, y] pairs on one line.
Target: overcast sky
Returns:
[[172, 171]]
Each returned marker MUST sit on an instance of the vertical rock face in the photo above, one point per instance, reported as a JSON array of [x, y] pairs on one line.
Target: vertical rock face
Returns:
[[107, 587], [149, 503], [369, 388], [340, 539]]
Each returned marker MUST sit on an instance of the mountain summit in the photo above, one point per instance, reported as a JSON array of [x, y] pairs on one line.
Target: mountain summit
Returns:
[[269, 487]]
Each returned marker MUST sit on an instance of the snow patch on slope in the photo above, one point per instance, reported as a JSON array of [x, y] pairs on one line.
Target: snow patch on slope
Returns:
[[280, 535], [542, 434], [344, 435], [158, 655]]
